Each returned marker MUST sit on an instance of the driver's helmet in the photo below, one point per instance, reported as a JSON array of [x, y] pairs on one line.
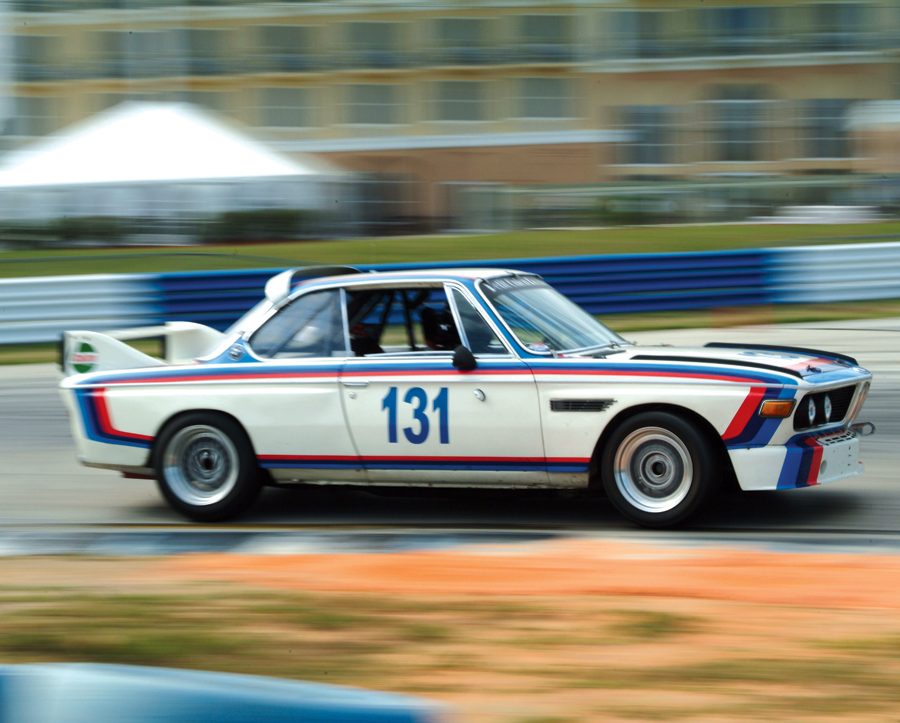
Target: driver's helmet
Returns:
[[439, 329]]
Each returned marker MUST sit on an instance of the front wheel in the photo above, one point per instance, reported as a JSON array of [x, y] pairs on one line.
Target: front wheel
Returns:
[[658, 469], [205, 467]]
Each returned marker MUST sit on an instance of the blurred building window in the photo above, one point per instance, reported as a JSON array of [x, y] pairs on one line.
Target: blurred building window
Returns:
[[824, 129], [462, 41], [209, 49], [137, 53], [739, 124], [286, 107], [376, 104], [108, 54], [33, 58], [650, 129], [739, 30], [460, 100], [545, 38], [152, 53], [637, 34], [34, 6], [840, 26], [34, 116], [545, 98], [374, 44], [286, 48], [140, 51]]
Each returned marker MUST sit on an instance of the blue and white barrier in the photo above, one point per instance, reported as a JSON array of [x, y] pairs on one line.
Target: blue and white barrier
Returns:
[[825, 274], [96, 693], [39, 309]]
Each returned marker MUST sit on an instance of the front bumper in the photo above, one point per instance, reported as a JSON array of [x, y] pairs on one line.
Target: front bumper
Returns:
[[807, 459]]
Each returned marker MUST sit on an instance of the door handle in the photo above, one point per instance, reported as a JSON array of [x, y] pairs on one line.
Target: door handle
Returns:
[[355, 383]]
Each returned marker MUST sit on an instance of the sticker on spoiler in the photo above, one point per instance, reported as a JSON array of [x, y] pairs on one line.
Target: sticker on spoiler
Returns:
[[84, 358]]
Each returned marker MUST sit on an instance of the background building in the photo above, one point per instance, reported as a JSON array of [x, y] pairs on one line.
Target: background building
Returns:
[[485, 113]]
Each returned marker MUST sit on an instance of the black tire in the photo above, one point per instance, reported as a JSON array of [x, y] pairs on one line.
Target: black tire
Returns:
[[205, 467], [658, 469]]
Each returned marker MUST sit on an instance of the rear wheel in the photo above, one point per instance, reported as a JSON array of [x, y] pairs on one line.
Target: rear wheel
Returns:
[[658, 469], [205, 467]]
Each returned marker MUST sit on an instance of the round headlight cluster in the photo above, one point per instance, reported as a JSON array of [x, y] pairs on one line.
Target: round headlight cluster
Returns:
[[812, 411]]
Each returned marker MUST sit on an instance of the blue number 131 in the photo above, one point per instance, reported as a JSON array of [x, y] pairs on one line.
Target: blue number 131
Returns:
[[417, 398]]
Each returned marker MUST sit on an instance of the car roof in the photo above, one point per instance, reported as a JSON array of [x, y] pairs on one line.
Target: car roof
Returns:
[[412, 274]]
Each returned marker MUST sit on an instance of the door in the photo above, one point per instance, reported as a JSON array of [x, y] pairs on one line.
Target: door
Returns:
[[416, 419]]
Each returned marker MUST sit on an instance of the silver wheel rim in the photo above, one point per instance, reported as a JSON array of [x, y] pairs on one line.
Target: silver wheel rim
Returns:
[[653, 469], [200, 465]]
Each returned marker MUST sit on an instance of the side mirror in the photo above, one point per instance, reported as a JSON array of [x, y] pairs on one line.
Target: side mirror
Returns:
[[463, 359]]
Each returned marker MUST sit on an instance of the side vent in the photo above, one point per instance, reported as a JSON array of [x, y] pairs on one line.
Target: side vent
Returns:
[[581, 405]]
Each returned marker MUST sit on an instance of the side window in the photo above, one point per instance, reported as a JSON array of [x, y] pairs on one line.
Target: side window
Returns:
[[379, 321], [480, 337], [311, 326], [400, 321]]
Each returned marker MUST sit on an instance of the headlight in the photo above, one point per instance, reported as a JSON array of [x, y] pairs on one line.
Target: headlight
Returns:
[[811, 411], [826, 407]]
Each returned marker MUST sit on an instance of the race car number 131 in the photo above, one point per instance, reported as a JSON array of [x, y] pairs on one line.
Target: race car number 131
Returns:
[[417, 398]]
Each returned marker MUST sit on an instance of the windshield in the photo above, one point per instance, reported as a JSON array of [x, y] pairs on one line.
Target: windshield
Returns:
[[544, 320]]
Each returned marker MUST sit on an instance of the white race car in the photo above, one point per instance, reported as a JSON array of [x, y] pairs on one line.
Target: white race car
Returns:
[[457, 378]]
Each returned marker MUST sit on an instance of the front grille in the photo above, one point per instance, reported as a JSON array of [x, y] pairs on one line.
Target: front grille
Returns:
[[840, 403]]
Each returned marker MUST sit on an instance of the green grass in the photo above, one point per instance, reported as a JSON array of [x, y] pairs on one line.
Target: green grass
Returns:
[[846, 685], [453, 646], [644, 625], [425, 249], [317, 637]]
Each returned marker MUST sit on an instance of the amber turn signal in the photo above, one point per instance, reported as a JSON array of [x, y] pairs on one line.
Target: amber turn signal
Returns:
[[778, 408]]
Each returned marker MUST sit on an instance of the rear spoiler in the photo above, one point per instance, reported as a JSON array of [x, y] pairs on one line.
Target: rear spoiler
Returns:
[[81, 352]]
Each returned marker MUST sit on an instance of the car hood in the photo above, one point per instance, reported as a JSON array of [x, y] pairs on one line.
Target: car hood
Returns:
[[810, 365]]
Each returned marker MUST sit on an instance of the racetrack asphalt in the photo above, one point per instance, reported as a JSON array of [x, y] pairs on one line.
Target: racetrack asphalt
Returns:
[[52, 504]]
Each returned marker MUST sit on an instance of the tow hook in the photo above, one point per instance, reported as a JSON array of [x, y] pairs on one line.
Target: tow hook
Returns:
[[863, 429]]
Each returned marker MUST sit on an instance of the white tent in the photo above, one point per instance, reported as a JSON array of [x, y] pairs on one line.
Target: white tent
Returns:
[[156, 160]]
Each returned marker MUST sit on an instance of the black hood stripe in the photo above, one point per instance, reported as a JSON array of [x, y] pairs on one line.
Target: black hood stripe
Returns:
[[713, 360]]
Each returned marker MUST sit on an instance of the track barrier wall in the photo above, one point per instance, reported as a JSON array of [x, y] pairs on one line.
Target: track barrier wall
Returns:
[[39, 309]]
